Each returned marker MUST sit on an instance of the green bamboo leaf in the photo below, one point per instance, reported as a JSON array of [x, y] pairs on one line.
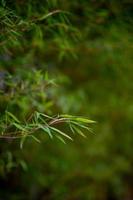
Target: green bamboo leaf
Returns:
[[62, 133], [36, 116], [84, 120], [12, 116], [18, 126], [67, 116], [47, 116], [22, 141], [80, 119], [35, 138], [23, 165], [47, 130], [82, 126], [79, 131], [71, 128], [49, 14], [60, 138]]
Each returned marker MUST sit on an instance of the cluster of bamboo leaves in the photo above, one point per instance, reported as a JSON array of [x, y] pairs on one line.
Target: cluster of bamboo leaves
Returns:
[[12, 128], [25, 30], [29, 91], [29, 87]]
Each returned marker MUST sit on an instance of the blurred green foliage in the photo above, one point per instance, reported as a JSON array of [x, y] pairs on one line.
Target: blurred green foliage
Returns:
[[87, 47]]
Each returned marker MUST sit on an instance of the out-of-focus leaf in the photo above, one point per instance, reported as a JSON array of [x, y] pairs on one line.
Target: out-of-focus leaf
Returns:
[[12, 116]]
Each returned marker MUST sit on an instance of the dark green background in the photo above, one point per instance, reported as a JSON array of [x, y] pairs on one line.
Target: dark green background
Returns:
[[91, 60]]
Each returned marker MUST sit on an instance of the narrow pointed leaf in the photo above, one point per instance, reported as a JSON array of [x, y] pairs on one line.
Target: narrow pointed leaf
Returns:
[[12, 116], [62, 133]]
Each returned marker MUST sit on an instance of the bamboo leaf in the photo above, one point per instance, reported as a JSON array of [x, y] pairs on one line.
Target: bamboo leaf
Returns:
[[62, 133], [22, 141], [71, 128], [12, 116], [60, 138], [82, 126], [44, 115], [84, 120], [20, 127], [79, 131], [35, 138], [47, 130]]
